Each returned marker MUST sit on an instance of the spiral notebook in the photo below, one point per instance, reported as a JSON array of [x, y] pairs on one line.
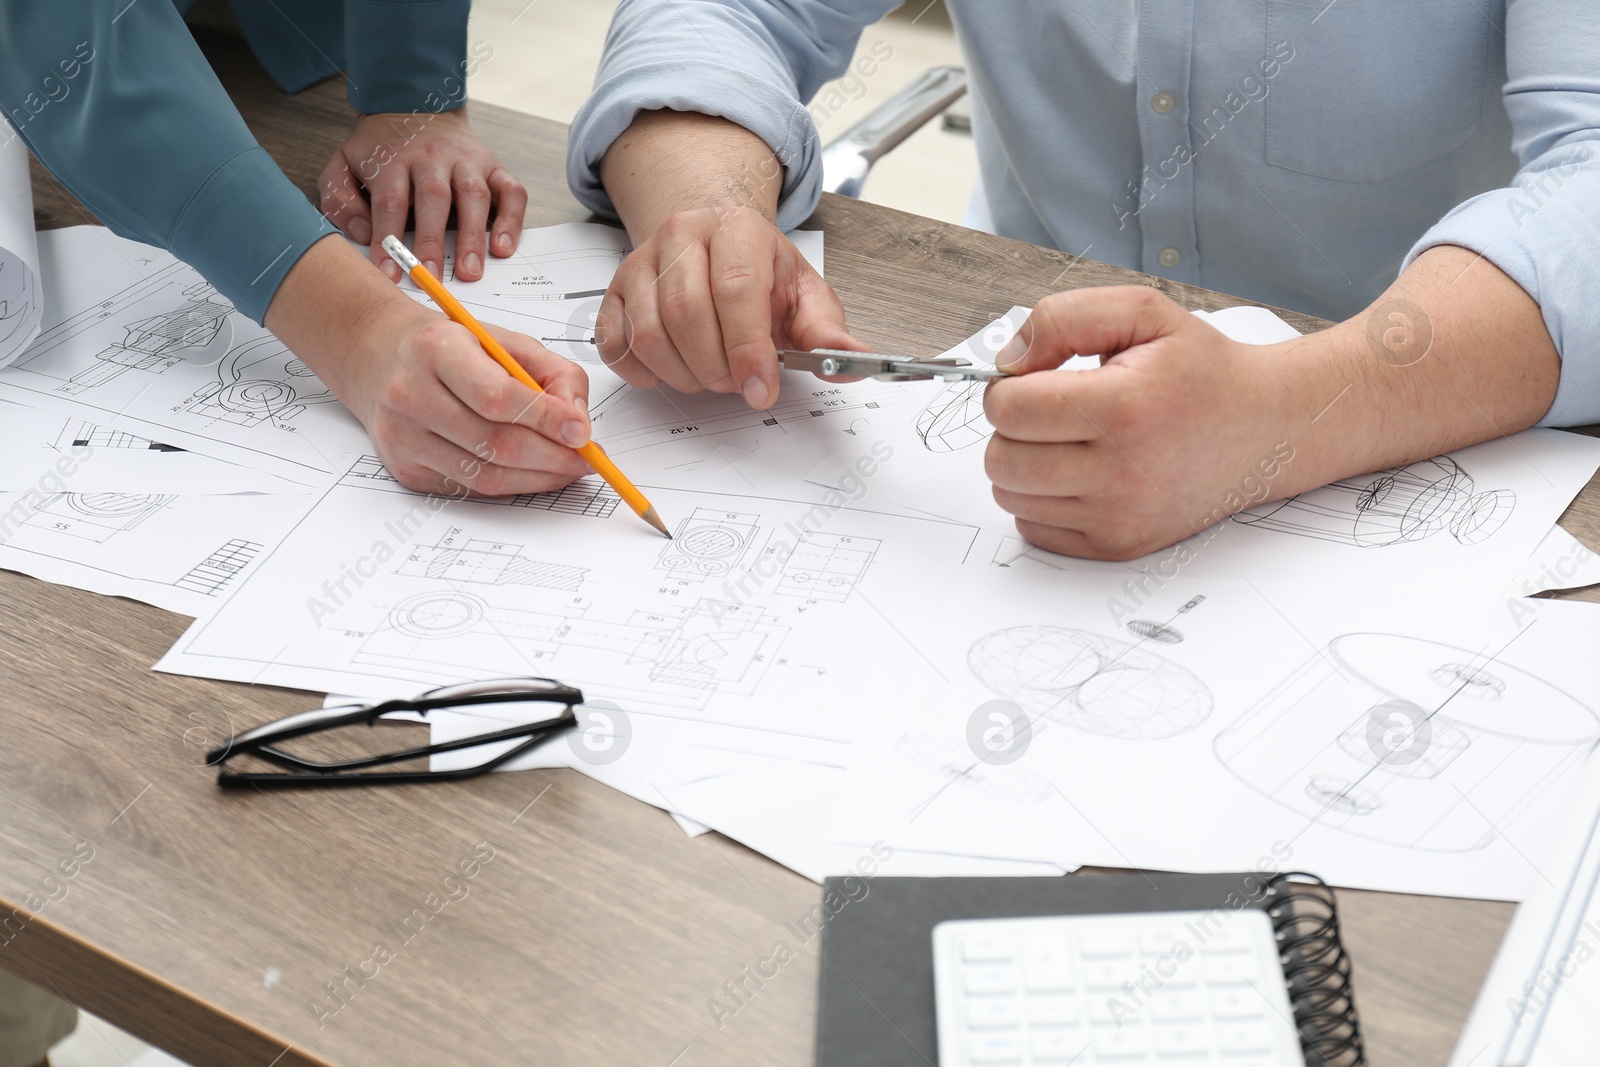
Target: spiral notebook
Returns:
[[876, 1003]]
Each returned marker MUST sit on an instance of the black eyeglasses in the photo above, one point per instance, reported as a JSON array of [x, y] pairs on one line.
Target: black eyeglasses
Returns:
[[263, 741]]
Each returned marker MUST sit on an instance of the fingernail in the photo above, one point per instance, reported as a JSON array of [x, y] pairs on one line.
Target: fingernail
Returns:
[[581, 403], [472, 263], [432, 267], [360, 231], [391, 269], [1012, 353], [755, 392], [503, 243], [575, 434]]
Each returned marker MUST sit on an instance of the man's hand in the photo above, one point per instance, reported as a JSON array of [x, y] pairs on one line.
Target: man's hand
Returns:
[[1160, 441], [444, 417], [706, 302], [423, 164]]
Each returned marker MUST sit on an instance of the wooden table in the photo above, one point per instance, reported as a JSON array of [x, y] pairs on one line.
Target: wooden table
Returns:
[[215, 925]]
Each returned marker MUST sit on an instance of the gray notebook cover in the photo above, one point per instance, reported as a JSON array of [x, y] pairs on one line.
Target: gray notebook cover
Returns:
[[876, 1003]]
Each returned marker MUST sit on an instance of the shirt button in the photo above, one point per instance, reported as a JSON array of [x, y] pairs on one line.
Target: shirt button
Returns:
[[1163, 101], [1168, 257]]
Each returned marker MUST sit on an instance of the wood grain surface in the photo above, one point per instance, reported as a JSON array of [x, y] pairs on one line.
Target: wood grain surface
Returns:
[[235, 929]]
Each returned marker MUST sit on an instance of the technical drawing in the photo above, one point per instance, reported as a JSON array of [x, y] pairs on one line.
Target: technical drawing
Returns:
[[1389, 738], [259, 381], [1091, 683], [459, 558], [19, 301], [587, 496], [577, 340], [681, 658], [196, 331], [709, 544], [827, 566], [78, 433], [1162, 633], [954, 763], [213, 573], [954, 418], [95, 516], [1391, 507], [1013, 550]]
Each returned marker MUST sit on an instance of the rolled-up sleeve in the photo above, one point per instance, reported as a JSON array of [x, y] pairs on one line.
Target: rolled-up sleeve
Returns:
[[1544, 229], [407, 55], [754, 63], [118, 102]]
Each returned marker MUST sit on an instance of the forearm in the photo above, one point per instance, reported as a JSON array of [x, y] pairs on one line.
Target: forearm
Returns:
[[1454, 353], [667, 162]]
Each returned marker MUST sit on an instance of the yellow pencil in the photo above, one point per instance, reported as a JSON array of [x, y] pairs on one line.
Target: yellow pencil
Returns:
[[452, 307]]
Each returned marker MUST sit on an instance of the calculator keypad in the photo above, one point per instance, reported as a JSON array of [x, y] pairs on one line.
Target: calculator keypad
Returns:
[[1197, 989]]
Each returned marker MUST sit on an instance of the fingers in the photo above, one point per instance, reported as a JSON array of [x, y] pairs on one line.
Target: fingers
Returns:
[[741, 286], [1089, 322], [689, 313], [559, 377], [1051, 406], [645, 335], [510, 207], [341, 200], [613, 337], [391, 202], [473, 201], [1058, 470], [488, 390], [431, 464], [431, 196]]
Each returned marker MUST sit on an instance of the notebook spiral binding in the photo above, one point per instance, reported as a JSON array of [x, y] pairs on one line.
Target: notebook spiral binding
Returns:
[[1305, 918]]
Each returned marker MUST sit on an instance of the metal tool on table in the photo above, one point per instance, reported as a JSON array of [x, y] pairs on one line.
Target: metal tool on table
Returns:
[[887, 368]]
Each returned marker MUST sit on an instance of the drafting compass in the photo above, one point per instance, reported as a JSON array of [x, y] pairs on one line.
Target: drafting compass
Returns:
[[884, 368]]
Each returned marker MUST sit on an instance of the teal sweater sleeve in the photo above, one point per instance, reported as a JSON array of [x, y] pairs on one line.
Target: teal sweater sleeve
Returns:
[[118, 102]]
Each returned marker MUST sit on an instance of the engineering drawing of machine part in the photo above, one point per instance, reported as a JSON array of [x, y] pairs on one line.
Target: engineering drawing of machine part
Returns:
[[1382, 736], [198, 332], [260, 381], [1091, 683], [708, 544], [954, 762], [1391, 507], [954, 418], [96, 516]]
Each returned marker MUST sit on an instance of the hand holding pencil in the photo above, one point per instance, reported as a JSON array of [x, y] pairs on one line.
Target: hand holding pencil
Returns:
[[592, 453]]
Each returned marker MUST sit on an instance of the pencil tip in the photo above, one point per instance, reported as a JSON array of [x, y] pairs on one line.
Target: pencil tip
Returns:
[[653, 519]]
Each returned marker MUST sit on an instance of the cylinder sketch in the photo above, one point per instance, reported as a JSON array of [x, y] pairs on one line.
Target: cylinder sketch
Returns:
[[1091, 683], [1390, 738]]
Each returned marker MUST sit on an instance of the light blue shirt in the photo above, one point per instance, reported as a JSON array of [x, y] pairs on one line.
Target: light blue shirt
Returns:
[[1294, 152]]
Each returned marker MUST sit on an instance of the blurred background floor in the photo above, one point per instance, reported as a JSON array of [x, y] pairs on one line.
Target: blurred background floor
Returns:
[[545, 56]]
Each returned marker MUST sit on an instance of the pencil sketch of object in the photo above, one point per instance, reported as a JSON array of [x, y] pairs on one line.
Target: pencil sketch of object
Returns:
[[1391, 507], [588, 496], [95, 516], [455, 557], [1408, 741], [827, 566], [954, 764], [681, 658], [954, 418], [1091, 683], [212, 574], [19, 300], [708, 544], [197, 331], [259, 381], [78, 433]]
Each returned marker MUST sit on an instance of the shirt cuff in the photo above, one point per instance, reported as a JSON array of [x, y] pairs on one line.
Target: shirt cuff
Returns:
[[1545, 234], [408, 56], [770, 113], [244, 227]]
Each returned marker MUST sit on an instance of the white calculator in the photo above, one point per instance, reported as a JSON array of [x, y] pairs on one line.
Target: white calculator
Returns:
[[1196, 988]]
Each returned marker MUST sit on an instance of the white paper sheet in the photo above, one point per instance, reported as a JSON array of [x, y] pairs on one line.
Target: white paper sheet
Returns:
[[1473, 516], [1560, 562], [738, 632], [182, 553], [1417, 744], [41, 449], [21, 294]]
